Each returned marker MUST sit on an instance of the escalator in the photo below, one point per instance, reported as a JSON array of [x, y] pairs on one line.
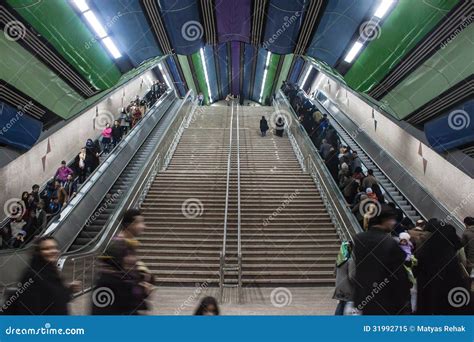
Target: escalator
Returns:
[[391, 191]]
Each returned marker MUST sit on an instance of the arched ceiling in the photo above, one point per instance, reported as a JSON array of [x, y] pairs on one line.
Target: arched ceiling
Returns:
[[53, 58]]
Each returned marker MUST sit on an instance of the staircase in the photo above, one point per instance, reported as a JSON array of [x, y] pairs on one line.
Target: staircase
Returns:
[[184, 208], [287, 235]]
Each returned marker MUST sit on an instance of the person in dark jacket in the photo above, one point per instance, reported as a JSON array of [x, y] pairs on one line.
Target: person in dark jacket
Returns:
[[92, 156], [280, 127], [440, 278], [42, 290], [332, 163], [263, 126], [117, 133], [381, 282]]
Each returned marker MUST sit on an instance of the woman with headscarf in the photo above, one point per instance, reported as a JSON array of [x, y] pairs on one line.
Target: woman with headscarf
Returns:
[[280, 126], [207, 307], [42, 290], [263, 126]]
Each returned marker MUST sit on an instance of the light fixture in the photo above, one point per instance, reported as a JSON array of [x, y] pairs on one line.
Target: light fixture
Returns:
[[110, 45], [383, 8], [267, 63], [353, 52], [98, 28], [168, 83], [81, 5], [206, 76], [305, 78], [96, 25]]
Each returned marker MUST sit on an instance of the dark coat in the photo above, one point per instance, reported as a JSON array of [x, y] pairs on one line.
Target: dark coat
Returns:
[[263, 125], [381, 280], [46, 293], [438, 272], [332, 163]]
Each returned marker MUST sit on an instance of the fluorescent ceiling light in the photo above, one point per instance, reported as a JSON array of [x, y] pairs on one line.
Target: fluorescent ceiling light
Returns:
[[96, 25], [109, 44], [168, 83], [81, 5], [305, 78], [383, 8], [353, 52], [267, 63], [206, 76]]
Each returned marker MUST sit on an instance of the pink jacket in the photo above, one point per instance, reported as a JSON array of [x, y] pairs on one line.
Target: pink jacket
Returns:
[[107, 132]]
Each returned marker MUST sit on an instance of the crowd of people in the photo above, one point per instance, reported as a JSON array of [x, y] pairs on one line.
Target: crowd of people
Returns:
[[121, 272], [395, 266], [36, 208]]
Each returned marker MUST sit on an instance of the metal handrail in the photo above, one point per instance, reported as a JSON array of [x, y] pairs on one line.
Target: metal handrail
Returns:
[[229, 157], [345, 222], [239, 244]]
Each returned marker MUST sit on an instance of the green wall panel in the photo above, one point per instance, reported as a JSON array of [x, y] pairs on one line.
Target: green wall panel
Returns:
[[56, 21], [201, 78], [183, 61], [272, 68], [439, 73], [285, 69], [405, 26], [25, 72]]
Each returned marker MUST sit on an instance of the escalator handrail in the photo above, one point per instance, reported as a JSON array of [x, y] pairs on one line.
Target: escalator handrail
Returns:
[[458, 224], [47, 229], [345, 217], [102, 169], [113, 221]]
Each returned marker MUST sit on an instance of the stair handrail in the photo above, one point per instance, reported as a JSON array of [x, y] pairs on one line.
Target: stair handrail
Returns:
[[346, 224], [229, 157], [239, 240]]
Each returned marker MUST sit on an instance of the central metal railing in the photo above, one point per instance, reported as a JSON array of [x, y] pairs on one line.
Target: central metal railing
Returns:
[[224, 267]]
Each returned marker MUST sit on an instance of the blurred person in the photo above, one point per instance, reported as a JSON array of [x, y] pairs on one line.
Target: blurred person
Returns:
[[35, 192], [263, 126], [106, 138], [345, 272], [80, 165], [62, 172], [70, 187], [124, 121], [325, 148], [369, 180], [355, 162], [379, 260], [418, 234], [439, 271], [60, 193], [92, 156], [119, 275], [117, 133], [54, 207], [280, 126], [332, 163], [467, 241], [207, 307], [47, 294]]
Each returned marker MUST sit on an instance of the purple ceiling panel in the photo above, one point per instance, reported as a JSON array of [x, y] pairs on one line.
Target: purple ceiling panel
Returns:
[[235, 47], [233, 20]]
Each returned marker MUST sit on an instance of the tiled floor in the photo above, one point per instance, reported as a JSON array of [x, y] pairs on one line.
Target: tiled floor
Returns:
[[256, 301]]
